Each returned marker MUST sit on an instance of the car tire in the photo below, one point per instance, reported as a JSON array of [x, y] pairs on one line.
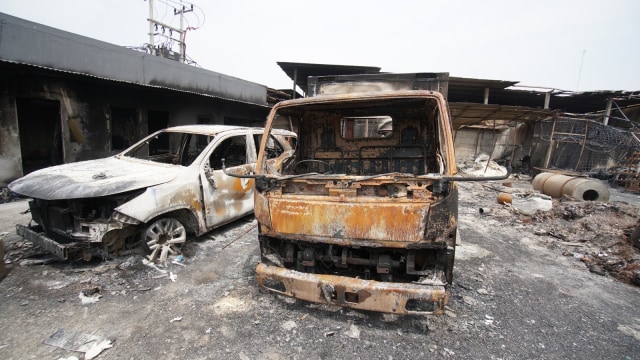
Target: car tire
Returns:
[[162, 237]]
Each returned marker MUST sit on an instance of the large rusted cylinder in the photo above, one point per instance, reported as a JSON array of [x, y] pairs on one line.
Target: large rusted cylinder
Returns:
[[504, 198], [556, 185], [539, 180]]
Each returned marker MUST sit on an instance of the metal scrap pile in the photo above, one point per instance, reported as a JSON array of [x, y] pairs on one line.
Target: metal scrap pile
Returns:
[[596, 233]]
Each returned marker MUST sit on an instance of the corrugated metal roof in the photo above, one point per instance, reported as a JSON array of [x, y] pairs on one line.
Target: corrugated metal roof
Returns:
[[506, 100], [58, 50], [301, 71], [470, 114], [6, 63]]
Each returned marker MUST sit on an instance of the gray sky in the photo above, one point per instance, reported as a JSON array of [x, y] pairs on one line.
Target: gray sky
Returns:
[[570, 45]]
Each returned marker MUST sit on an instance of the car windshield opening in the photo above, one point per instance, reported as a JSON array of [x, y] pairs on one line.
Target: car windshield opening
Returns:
[[170, 148]]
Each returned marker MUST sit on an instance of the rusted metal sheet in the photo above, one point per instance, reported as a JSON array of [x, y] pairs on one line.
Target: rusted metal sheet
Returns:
[[375, 220]]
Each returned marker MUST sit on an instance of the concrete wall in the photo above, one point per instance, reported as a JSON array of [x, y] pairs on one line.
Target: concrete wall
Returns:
[[470, 143], [10, 160], [511, 143]]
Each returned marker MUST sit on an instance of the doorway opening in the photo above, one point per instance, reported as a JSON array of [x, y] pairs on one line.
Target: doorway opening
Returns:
[[40, 133], [124, 128]]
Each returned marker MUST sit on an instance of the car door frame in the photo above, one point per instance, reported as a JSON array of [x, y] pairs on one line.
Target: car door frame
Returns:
[[227, 198]]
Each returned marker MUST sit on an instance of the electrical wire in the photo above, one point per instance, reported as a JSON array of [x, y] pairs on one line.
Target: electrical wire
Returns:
[[179, 8]]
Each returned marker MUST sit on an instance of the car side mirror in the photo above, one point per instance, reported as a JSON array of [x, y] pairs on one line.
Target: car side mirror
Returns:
[[232, 174]]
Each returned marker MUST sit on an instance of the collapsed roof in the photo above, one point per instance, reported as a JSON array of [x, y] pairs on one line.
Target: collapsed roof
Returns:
[[484, 102]]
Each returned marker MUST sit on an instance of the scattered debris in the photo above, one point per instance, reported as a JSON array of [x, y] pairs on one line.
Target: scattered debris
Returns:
[[91, 291], [593, 232], [482, 166], [7, 196], [353, 332], [529, 203], [469, 301], [240, 236], [84, 300], [448, 352], [42, 261], [179, 318], [90, 345], [176, 262], [131, 262], [153, 266], [596, 270], [488, 320], [450, 313], [288, 325]]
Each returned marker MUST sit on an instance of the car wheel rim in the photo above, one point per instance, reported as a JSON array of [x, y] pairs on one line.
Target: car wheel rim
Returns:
[[164, 237]]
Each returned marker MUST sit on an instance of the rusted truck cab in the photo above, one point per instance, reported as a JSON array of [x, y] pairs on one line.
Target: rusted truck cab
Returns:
[[365, 214]]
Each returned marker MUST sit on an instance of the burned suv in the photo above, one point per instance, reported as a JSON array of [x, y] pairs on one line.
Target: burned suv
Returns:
[[167, 185]]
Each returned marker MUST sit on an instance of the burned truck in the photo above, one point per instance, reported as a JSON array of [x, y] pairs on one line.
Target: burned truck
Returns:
[[365, 214]]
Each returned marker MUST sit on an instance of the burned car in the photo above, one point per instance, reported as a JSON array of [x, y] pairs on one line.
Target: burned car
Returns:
[[153, 194]]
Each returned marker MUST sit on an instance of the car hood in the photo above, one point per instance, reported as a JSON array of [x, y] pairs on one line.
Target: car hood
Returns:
[[93, 178]]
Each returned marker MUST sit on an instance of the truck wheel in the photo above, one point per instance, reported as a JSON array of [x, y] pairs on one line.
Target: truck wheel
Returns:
[[163, 237]]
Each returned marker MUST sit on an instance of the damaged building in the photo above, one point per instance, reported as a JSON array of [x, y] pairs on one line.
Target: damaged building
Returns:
[[67, 98], [587, 132]]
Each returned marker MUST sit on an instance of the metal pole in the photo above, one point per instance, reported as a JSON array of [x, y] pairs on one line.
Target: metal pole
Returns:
[[295, 80], [608, 111], [551, 145], [151, 27], [584, 141], [181, 34], [547, 99]]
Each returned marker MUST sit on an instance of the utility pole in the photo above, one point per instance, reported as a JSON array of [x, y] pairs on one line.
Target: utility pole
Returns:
[[151, 34], [153, 27], [183, 45]]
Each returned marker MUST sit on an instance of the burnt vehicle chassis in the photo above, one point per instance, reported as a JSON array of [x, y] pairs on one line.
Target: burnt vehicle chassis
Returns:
[[365, 216], [80, 229], [148, 197]]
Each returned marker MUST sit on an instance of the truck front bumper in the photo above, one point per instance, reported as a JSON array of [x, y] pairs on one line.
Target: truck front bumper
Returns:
[[387, 297]]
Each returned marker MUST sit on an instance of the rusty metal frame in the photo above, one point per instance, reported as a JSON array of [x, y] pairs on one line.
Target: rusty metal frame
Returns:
[[351, 292]]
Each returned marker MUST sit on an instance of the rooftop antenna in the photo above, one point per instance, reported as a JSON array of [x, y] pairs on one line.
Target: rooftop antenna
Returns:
[[580, 70]]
